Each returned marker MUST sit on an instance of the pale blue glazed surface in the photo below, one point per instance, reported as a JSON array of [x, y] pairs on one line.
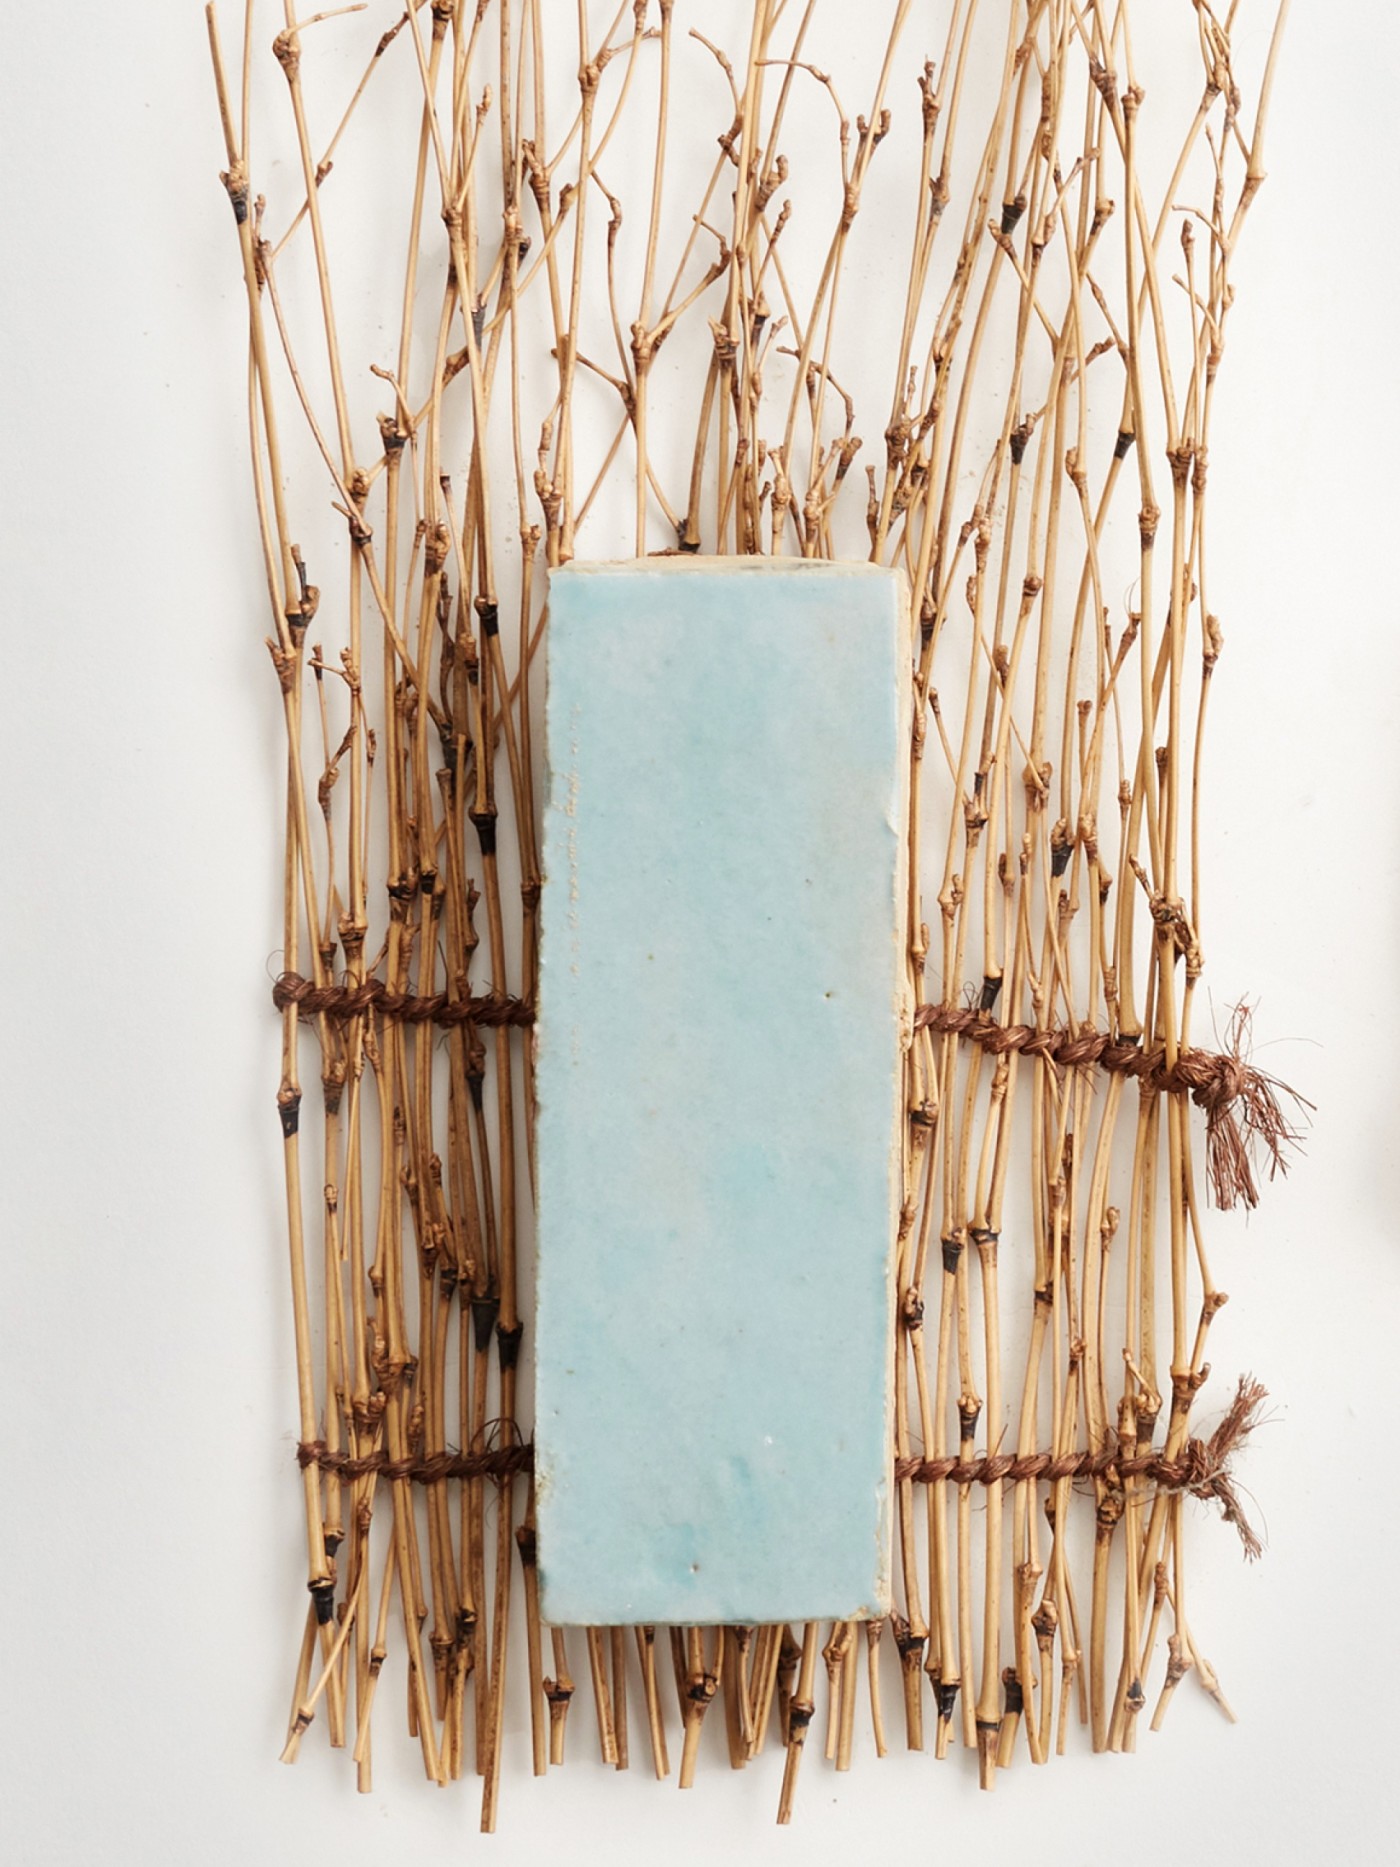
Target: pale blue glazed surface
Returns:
[[722, 1001]]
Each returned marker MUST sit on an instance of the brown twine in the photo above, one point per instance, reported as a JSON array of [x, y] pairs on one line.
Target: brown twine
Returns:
[[1201, 1468], [432, 1468], [1241, 1103], [352, 1001]]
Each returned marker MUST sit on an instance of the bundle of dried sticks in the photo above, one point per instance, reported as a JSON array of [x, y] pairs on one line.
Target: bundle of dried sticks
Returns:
[[550, 371]]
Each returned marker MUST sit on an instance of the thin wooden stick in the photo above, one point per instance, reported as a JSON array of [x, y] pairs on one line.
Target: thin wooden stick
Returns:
[[1081, 280]]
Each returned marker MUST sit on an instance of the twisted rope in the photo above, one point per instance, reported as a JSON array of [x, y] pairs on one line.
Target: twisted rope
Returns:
[[1200, 1469], [499, 1462], [1241, 1104], [342, 1002]]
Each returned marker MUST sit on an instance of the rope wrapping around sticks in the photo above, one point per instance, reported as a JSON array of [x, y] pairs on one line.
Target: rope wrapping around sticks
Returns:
[[1241, 1104], [343, 1002], [499, 1462], [1201, 1468]]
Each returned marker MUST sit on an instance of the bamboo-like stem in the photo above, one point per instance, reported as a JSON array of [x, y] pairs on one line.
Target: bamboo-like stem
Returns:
[[1005, 346], [800, 1711], [646, 1653]]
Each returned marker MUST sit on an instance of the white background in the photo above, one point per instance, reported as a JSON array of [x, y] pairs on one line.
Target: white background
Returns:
[[151, 1520]]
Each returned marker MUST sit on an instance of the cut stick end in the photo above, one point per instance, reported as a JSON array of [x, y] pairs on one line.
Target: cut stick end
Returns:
[[988, 1737]]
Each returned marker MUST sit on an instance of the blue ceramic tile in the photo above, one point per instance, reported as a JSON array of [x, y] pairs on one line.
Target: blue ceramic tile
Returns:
[[722, 1003]]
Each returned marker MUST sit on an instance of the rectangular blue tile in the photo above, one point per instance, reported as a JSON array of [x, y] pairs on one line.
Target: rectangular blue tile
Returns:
[[723, 1004]]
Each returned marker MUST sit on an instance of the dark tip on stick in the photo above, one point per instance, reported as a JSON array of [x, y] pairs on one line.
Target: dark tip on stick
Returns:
[[323, 1599], [485, 821], [952, 1252], [991, 991], [1015, 1696], [909, 1643], [289, 1111], [1125, 440], [490, 617], [1011, 212], [508, 1341], [484, 1313]]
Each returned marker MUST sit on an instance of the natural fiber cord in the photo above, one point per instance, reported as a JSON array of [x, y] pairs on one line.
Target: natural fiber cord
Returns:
[[528, 283]]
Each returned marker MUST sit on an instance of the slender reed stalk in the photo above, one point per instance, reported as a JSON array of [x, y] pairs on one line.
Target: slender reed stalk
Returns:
[[687, 364]]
